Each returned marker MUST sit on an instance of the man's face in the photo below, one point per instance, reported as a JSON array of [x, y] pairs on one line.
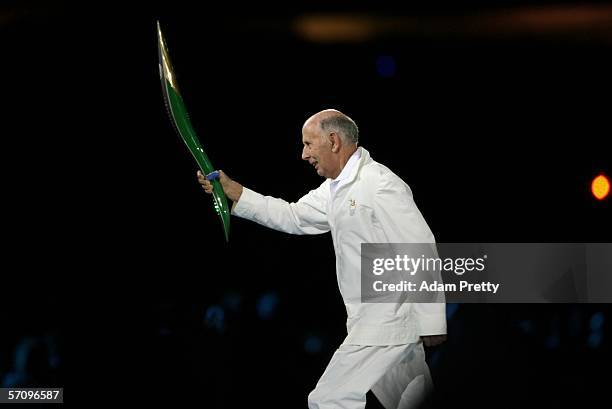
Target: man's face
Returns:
[[317, 151]]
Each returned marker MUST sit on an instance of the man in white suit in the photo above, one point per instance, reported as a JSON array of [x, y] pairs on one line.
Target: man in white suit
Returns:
[[360, 201]]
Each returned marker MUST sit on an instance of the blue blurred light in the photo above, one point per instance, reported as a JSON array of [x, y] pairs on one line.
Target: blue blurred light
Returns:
[[54, 361], [386, 66], [14, 380], [434, 359], [526, 326], [215, 318], [266, 305], [451, 309], [22, 354], [313, 344], [232, 301], [552, 342], [597, 321], [595, 339]]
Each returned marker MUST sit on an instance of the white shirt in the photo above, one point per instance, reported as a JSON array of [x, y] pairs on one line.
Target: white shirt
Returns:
[[371, 205]]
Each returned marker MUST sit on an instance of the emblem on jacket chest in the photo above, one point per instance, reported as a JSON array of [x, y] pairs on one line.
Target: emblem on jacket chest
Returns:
[[352, 206]]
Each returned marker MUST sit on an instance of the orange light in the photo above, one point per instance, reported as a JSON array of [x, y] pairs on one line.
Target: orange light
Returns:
[[600, 187]]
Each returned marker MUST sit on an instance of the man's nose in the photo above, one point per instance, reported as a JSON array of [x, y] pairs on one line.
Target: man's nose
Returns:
[[305, 155]]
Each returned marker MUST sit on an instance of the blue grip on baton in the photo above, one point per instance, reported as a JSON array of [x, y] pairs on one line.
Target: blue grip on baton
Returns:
[[213, 175]]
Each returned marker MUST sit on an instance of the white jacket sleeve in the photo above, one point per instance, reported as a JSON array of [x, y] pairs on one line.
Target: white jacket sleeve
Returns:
[[307, 216], [402, 222]]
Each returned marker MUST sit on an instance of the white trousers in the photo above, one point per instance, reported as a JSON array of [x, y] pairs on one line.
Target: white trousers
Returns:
[[397, 374]]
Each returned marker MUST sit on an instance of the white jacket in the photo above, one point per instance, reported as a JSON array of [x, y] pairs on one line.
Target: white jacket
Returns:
[[373, 205]]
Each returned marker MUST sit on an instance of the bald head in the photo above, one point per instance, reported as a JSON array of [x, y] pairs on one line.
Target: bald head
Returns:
[[333, 121], [329, 138]]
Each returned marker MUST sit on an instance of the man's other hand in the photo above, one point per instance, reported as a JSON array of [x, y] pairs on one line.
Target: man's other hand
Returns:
[[433, 340]]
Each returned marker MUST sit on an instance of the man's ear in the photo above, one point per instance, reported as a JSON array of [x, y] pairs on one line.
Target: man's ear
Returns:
[[336, 142]]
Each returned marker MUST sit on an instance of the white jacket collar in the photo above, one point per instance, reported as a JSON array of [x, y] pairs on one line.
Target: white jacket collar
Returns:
[[347, 169]]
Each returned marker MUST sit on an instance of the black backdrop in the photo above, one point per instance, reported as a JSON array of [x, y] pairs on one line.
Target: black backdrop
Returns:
[[115, 255]]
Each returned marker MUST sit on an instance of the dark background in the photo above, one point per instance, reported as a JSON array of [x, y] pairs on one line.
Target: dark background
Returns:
[[117, 281]]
